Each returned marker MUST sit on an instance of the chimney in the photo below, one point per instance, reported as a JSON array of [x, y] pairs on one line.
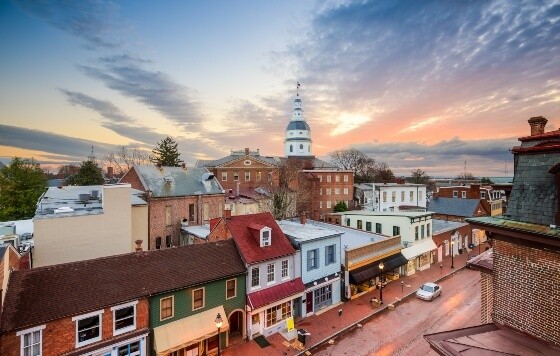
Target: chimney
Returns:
[[184, 165], [303, 218], [246, 151], [537, 124], [110, 172], [158, 164], [227, 214], [138, 245]]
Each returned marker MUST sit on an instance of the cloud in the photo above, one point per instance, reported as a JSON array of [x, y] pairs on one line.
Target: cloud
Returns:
[[92, 20]]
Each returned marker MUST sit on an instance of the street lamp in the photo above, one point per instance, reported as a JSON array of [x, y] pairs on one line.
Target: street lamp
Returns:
[[381, 266], [218, 322], [452, 243]]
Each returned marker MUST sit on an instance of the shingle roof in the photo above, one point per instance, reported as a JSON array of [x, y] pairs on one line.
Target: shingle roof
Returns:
[[38, 295], [453, 206], [247, 239], [270, 295], [177, 181]]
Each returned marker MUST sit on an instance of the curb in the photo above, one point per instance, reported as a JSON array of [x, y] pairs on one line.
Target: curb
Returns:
[[370, 316]]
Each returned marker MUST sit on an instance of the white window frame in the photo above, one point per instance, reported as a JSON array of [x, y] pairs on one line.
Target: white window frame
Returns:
[[337, 191], [320, 178], [76, 320], [346, 191], [455, 194], [346, 178], [270, 273], [321, 204], [328, 192], [266, 241], [203, 298], [258, 176], [285, 269], [247, 176], [122, 306], [328, 204], [236, 176], [22, 334], [224, 176], [258, 277], [328, 178], [234, 289], [337, 178], [464, 194]]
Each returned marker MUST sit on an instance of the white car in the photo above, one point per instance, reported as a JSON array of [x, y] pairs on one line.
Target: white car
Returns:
[[429, 291]]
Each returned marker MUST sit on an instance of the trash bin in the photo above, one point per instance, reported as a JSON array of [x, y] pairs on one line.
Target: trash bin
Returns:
[[302, 335]]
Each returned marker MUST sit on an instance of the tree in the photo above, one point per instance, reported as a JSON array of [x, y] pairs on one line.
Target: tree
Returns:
[[365, 168], [21, 184], [340, 207], [419, 177], [466, 176], [88, 174], [68, 170], [126, 157], [486, 180], [166, 153]]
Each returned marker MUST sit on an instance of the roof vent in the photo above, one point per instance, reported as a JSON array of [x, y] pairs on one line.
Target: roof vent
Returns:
[[168, 179], [63, 209], [207, 176], [94, 194], [83, 197]]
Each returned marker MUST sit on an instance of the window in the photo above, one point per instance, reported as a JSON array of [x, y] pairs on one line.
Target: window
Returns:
[[393, 196], [416, 232], [270, 273], [166, 308], [347, 222], [384, 197], [328, 177], [368, 225], [359, 224], [265, 238], [396, 230], [129, 349], [422, 231], [322, 296], [346, 178], [278, 313], [428, 229], [124, 318], [255, 277], [247, 176], [463, 194], [158, 242], [231, 288], [291, 148], [168, 216], [455, 194], [224, 176], [258, 176], [312, 259], [402, 196], [320, 191], [330, 254], [198, 298], [336, 191], [337, 178], [301, 146], [168, 241], [285, 269], [191, 212], [236, 176], [328, 191], [320, 205], [88, 328], [378, 228], [31, 341], [345, 190], [320, 178], [420, 195], [411, 196], [328, 204]]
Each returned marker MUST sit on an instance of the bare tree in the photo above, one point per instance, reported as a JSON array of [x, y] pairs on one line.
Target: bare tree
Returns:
[[126, 157], [365, 168]]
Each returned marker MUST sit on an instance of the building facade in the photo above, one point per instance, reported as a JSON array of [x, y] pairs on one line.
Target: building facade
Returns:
[[391, 196], [491, 199]]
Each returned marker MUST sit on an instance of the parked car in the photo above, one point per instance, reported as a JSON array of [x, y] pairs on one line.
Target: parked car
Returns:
[[429, 291], [26, 236]]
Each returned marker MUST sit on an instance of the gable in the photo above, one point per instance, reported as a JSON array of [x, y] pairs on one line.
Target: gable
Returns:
[[245, 162]]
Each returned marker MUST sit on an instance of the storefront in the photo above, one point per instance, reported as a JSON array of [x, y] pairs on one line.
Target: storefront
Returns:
[[321, 294], [365, 278], [419, 256], [191, 336]]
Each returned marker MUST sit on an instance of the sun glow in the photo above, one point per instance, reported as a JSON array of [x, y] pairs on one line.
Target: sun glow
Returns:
[[347, 122]]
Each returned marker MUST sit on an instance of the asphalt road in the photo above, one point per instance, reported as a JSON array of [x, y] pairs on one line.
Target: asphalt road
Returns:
[[399, 332]]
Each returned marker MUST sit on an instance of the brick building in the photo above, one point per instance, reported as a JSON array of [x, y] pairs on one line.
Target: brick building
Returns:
[[520, 298], [325, 188], [176, 196], [491, 199]]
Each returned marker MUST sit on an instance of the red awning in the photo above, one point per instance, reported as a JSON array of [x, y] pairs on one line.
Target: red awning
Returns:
[[273, 294]]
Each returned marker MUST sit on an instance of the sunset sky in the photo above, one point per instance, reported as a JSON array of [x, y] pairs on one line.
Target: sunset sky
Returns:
[[416, 84]]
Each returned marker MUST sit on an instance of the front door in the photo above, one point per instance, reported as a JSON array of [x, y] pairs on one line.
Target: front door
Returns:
[[309, 302], [235, 324]]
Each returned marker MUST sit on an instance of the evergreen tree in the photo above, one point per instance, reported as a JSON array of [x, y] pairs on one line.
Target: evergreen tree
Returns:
[[166, 153], [88, 174], [21, 184], [340, 207]]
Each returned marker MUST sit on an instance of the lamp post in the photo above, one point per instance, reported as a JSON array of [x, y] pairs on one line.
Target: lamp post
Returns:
[[452, 251], [218, 322], [381, 266]]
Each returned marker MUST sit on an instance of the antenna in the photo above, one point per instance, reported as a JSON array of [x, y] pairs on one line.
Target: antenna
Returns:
[[297, 89], [465, 173]]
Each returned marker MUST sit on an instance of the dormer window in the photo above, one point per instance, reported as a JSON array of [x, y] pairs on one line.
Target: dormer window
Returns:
[[265, 237]]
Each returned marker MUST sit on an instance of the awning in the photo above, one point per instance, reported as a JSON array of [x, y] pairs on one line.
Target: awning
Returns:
[[181, 333], [371, 270], [418, 248], [273, 294]]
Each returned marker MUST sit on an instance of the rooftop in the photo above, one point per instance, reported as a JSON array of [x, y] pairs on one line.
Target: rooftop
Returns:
[[305, 232], [177, 181], [440, 226], [410, 214], [453, 206]]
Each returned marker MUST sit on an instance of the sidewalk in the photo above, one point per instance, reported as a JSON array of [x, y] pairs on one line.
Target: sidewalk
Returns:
[[329, 324]]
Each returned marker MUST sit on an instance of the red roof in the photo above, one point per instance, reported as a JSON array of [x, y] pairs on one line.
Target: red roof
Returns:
[[247, 239], [274, 294]]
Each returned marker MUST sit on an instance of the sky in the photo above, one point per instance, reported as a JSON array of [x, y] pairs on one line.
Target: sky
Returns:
[[444, 86]]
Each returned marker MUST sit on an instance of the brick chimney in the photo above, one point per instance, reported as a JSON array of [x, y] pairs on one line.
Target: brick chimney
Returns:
[[246, 151], [138, 245], [110, 172], [303, 218], [227, 214], [537, 124]]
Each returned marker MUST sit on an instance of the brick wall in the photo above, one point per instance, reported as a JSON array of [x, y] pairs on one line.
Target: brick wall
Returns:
[[527, 289], [60, 336], [220, 232], [131, 177], [486, 297]]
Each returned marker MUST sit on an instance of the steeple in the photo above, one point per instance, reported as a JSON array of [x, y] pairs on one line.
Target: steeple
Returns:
[[297, 142]]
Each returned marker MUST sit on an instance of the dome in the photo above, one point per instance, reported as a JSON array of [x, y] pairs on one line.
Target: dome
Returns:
[[298, 125]]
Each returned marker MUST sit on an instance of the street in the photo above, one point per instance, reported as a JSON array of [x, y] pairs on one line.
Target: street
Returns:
[[400, 332]]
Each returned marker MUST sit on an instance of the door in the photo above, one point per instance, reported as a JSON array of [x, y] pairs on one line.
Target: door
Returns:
[[309, 302], [440, 253], [235, 324]]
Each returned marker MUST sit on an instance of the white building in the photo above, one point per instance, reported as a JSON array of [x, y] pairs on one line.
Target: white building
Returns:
[[297, 142], [391, 196]]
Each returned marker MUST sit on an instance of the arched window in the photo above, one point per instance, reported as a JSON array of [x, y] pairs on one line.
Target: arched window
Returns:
[[301, 146], [291, 148]]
